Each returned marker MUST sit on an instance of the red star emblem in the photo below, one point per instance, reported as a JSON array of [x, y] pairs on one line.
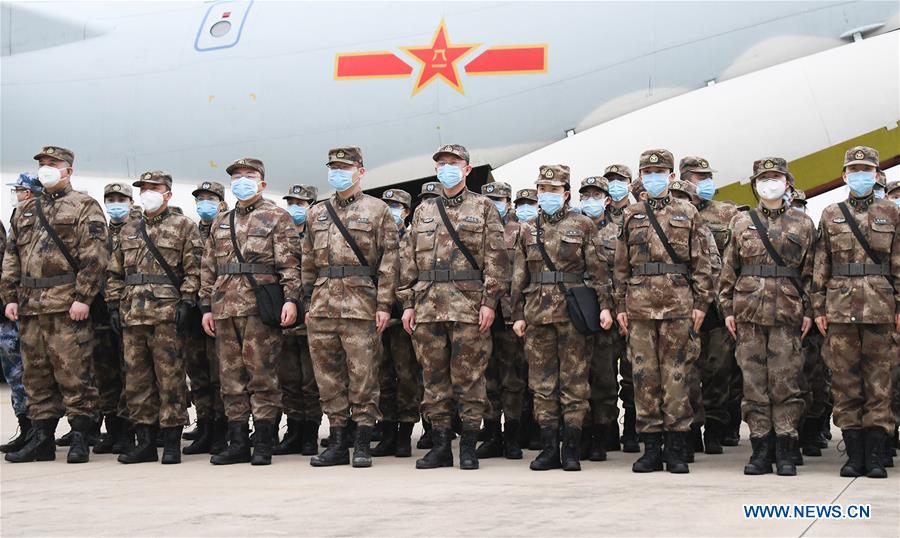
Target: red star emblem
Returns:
[[439, 60]]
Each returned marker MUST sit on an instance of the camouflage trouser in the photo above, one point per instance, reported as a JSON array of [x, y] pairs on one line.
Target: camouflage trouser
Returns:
[[605, 353], [248, 353], [558, 370], [400, 377], [108, 367], [345, 354], [860, 357], [154, 375], [454, 356], [661, 366], [771, 364], [56, 355], [504, 384], [695, 376], [12, 365], [299, 391], [203, 370], [816, 380], [716, 362]]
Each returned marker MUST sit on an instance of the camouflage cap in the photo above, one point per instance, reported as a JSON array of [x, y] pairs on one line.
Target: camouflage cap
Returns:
[[156, 177], [397, 195], [213, 187], [881, 178], [555, 175], [861, 155], [302, 192], [698, 165], [619, 169], [432, 188], [599, 182], [892, 186], [118, 188], [452, 149], [497, 189], [247, 162], [657, 157], [351, 155], [526, 194], [771, 164], [799, 197], [56, 152], [686, 187]]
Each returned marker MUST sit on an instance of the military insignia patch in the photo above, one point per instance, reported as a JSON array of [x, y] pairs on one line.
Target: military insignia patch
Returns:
[[148, 175], [640, 216], [242, 161], [751, 227], [426, 220], [206, 185], [49, 151], [471, 219], [591, 181], [29, 214], [489, 188], [679, 217], [429, 187], [704, 164], [447, 148], [881, 221], [224, 226], [296, 190], [322, 217], [339, 155], [548, 174], [116, 188], [676, 184], [389, 194], [613, 169], [654, 158], [859, 155], [839, 220], [768, 165]]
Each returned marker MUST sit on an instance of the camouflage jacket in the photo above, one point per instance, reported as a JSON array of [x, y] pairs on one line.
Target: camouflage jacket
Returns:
[[114, 235], [616, 216], [769, 301], [204, 230], [607, 231], [177, 239], [665, 296], [79, 222], [511, 230], [573, 246], [299, 328], [858, 299], [717, 217], [430, 247], [266, 235], [369, 222]]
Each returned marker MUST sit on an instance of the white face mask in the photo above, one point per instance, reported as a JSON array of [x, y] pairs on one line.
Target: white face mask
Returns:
[[49, 176], [152, 201], [770, 189]]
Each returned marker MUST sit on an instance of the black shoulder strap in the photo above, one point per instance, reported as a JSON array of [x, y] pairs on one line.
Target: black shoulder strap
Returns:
[[159, 257], [540, 244], [660, 233], [455, 236], [854, 227], [53, 235], [347, 237], [237, 247], [763, 234]]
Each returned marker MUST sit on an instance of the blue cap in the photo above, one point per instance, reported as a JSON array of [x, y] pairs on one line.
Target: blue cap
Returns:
[[27, 180]]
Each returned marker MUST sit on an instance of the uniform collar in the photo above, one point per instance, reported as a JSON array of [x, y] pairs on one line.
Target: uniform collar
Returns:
[[616, 211], [58, 194], [344, 202], [556, 217], [773, 213], [861, 204], [158, 218], [602, 223], [116, 227], [246, 210], [702, 205], [456, 200], [659, 203]]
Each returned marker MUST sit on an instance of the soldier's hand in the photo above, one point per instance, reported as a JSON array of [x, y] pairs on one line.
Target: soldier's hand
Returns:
[[79, 311], [731, 326], [485, 318], [409, 320], [822, 324], [697, 316], [209, 324], [804, 329], [12, 312], [623, 322], [288, 314], [115, 321], [606, 320], [519, 328], [381, 321]]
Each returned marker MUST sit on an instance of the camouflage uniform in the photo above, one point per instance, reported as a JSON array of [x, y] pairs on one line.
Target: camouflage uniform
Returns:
[[9, 351]]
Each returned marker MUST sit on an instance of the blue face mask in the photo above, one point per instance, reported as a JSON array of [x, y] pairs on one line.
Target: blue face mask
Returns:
[[861, 182], [897, 201], [706, 189], [449, 175], [593, 207], [655, 184], [117, 211], [879, 193], [618, 190], [550, 202], [502, 207], [397, 213], [526, 212], [207, 209], [244, 188], [298, 213], [340, 180]]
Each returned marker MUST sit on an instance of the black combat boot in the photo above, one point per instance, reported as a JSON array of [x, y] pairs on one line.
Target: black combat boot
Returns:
[[712, 433], [826, 427], [629, 432], [16, 443], [79, 450], [440, 455], [145, 450], [108, 440], [759, 460], [388, 444], [599, 438], [534, 438], [337, 452], [349, 434], [809, 437], [796, 456], [492, 447], [172, 445], [190, 435], [266, 433], [468, 455], [65, 439], [202, 438], [612, 443], [854, 443], [571, 449], [425, 440], [238, 450], [696, 443], [125, 439], [875, 438], [731, 433], [39, 444], [309, 442], [677, 450], [549, 457], [784, 456], [292, 441], [404, 440], [511, 448], [652, 458], [219, 434], [362, 454]]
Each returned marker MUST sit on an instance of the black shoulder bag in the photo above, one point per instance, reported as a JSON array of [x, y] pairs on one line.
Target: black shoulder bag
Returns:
[[269, 297], [763, 234], [349, 238]]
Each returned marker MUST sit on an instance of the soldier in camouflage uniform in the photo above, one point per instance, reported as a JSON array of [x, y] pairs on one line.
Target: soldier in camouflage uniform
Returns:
[[350, 303], [526, 205], [856, 301], [557, 355], [449, 303], [767, 309], [50, 298], [661, 303], [893, 195], [247, 348], [152, 313], [300, 393]]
